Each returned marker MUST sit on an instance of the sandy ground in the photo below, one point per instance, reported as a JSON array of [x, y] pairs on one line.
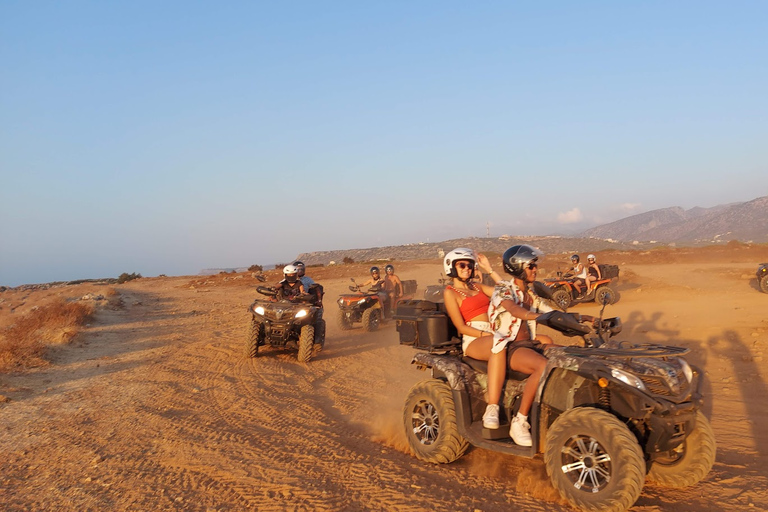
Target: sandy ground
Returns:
[[153, 407]]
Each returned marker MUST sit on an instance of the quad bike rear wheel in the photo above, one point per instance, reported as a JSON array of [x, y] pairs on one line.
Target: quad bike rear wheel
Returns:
[[254, 339], [606, 295], [343, 321], [429, 418], [562, 298], [687, 464], [371, 318], [306, 341], [594, 461], [319, 341]]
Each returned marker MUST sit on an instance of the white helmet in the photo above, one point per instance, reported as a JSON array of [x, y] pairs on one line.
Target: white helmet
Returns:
[[290, 272], [455, 255], [591, 257]]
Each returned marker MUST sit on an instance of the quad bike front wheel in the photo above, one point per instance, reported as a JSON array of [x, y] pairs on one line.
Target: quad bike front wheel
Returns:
[[562, 298], [606, 295], [371, 319], [429, 418], [594, 461], [306, 342], [687, 464], [254, 339], [343, 320], [763, 282]]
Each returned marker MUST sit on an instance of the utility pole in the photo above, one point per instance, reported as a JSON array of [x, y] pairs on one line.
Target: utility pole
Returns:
[[488, 229]]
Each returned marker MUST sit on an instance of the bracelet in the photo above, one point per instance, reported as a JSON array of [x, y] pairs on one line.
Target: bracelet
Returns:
[[490, 272]]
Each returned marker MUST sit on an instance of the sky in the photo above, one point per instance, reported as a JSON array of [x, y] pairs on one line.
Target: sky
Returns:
[[168, 137]]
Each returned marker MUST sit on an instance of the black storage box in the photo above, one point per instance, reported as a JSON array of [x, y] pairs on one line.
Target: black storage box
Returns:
[[423, 325], [608, 271]]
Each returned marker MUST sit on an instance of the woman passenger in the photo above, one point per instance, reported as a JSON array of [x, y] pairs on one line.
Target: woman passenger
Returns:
[[466, 303]]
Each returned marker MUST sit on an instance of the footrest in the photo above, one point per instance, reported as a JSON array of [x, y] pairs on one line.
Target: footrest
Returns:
[[497, 434]]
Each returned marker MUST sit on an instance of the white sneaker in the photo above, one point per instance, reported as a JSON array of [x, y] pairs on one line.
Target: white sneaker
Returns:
[[491, 416], [520, 432]]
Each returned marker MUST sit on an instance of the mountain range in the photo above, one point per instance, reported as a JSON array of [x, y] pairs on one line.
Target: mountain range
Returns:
[[746, 222]]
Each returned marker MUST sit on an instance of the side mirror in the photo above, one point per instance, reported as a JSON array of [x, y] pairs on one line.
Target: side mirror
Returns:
[[261, 278]]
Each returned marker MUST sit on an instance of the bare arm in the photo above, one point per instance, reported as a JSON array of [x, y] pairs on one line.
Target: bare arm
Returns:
[[518, 311], [482, 260]]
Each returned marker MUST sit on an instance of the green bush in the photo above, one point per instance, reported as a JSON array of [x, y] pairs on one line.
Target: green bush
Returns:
[[125, 277], [255, 268], [348, 260]]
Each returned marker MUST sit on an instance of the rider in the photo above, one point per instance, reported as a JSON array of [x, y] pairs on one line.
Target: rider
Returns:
[[308, 282], [305, 280], [393, 286], [593, 270], [579, 274], [466, 303], [290, 287], [376, 283], [513, 311]]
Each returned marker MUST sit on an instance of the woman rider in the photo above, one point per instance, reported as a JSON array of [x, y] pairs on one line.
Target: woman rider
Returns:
[[466, 303]]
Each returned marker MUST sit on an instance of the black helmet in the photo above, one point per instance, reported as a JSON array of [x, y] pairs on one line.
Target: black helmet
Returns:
[[374, 269], [388, 268], [300, 266], [517, 257], [575, 257]]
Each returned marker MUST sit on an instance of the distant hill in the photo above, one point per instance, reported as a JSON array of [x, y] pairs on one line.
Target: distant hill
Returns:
[[548, 244], [746, 222]]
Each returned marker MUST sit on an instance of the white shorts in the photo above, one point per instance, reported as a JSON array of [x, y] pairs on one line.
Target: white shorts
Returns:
[[477, 324]]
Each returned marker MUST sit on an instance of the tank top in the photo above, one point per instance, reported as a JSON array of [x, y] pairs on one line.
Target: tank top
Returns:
[[472, 305]]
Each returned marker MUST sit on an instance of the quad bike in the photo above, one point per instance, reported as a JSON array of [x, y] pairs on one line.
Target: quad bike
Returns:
[[289, 324], [434, 292], [605, 417], [762, 277], [564, 293], [367, 307]]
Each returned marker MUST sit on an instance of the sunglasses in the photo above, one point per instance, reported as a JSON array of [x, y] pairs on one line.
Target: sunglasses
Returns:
[[465, 264], [532, 265]]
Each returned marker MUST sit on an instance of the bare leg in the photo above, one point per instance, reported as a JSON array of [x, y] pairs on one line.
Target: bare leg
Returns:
[[529, 361], [497, 365]]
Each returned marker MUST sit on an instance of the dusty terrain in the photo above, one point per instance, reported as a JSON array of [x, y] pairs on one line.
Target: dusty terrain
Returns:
[[153, 407]]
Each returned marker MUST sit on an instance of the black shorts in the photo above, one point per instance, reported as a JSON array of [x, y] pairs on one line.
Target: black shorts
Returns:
[[531, 344]]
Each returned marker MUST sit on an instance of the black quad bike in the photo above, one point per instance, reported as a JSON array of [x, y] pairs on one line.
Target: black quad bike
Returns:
[[366, 306], [606, 416], [762, 277], [288, 324]]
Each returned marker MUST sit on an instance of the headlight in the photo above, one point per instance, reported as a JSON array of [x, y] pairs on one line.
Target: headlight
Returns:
[[301, 314], [361, 301], [628, 379], [341, 302], [686, 369], [259, 310]]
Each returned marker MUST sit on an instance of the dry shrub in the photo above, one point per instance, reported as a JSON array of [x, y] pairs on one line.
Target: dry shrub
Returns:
[[22, 345]]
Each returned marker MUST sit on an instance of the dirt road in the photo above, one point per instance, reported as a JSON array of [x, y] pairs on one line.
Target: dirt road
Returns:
[[154, 407]]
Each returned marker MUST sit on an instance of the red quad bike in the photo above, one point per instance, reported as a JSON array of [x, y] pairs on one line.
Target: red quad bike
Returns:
[[606, 417], [366, 307], [602, 291]]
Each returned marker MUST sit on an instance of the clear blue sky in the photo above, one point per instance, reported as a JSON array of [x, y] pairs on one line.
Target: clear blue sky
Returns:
[[167, 137]]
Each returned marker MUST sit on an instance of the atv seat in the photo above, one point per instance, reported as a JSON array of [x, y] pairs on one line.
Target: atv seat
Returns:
[[482, 367]]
